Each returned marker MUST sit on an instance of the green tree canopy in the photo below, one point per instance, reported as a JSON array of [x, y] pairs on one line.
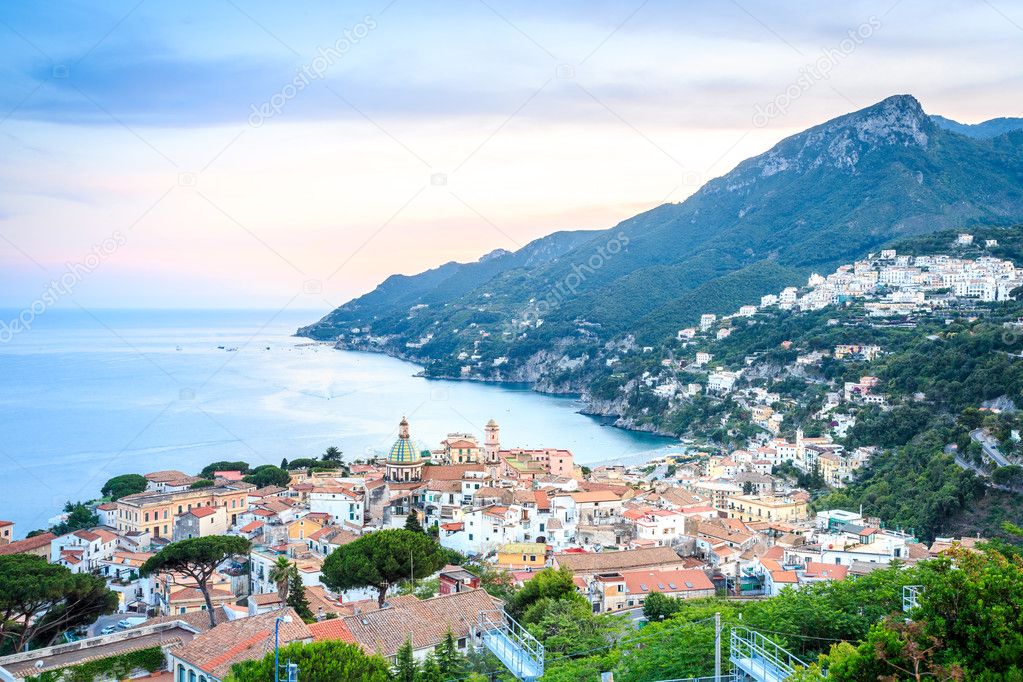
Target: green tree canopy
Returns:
[[280, 575], [326, 661], [658, 607], [412, 523], [548, 584], [406, 669], [49, 597], [569, 626], [79, 517], [223, 465], [332, 454], [303, 463], [297, 598], [197, 558], [125, 484], [268, 474], [381, 559]]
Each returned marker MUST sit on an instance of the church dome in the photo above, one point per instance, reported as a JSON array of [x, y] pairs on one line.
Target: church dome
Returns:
[[403, 451]]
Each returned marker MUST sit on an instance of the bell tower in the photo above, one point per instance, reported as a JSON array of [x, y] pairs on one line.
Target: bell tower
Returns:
[[492, 441], [491, 448]]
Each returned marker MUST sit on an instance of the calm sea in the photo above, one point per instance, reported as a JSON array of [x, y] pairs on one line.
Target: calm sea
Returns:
[[87, 396]]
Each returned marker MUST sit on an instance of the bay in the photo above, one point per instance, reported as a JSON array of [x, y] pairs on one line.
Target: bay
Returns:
[[87, 395]]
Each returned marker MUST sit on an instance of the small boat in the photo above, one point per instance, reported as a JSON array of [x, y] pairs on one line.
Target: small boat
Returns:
[[177, 348]]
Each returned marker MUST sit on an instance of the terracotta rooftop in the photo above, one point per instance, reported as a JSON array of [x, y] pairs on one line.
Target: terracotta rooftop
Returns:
[[28, 544], [618, 561], [245, 639], [425, 621], [677, 581], [449, 472], [165, 475], [332, 629]]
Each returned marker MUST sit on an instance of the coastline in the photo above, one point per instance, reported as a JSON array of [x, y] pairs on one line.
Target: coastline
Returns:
[[608, 416]]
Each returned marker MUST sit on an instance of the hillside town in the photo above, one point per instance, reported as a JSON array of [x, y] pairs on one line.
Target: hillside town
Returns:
[[721, 526], [893, 283]]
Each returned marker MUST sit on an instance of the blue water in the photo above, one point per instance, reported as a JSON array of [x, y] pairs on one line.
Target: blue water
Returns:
[[87, 396]]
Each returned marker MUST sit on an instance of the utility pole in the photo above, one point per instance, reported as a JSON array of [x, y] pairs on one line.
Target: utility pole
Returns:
[[717, 646]]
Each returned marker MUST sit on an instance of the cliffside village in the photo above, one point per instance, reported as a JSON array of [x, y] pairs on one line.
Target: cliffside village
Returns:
[[886, 284], [693, 530]]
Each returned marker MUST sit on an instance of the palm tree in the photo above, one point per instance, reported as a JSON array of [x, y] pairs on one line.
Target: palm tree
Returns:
[[332, 454], [280, 575]]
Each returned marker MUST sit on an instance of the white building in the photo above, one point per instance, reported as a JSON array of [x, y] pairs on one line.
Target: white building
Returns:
[[344, 505], [83, 550], [721, 381]]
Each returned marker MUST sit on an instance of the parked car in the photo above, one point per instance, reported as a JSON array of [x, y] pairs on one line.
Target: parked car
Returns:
[[107, 630], [126, 623]]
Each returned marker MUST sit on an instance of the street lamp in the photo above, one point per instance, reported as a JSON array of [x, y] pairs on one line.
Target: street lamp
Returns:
[[277, 625]]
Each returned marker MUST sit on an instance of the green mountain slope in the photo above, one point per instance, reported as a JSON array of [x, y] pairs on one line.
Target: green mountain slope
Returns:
[[817, 199]]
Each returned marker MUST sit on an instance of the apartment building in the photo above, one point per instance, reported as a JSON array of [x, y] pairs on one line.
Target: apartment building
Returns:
[[154, 512], [629, 589], [766, 508]]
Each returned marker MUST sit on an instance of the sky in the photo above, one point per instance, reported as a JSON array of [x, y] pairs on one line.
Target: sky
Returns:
[[235, 153]]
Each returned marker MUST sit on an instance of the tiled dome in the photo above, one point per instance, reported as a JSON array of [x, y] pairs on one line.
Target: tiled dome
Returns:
[[403, 451]]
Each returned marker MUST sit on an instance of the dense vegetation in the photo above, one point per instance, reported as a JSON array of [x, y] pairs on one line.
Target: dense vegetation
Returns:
[[39, 601], [967, 622], [125, 484], [326, 661]]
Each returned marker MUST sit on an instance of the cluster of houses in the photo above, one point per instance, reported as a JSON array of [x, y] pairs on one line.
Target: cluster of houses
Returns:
[[722, 525], [896, 284]]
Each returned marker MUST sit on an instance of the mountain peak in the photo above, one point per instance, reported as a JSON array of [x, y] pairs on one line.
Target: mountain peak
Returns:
[[906, 102], [496, 253], [843, 142]]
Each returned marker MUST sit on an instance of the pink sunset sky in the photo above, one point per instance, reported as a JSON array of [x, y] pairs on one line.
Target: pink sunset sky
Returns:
[[257, 154]]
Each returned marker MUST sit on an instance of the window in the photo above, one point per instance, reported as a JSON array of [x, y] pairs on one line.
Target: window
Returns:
[[532, 557], [147, 516], [191, 676], [461, 642], [470, 536], [181, 673]]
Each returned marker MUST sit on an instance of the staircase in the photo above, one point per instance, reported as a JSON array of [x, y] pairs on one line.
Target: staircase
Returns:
[[911, 596], [518, 650], [759, 658]]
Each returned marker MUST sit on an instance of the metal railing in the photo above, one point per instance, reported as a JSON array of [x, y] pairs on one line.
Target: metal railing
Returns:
[[763, 656], [519, 650], [910, 596]]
